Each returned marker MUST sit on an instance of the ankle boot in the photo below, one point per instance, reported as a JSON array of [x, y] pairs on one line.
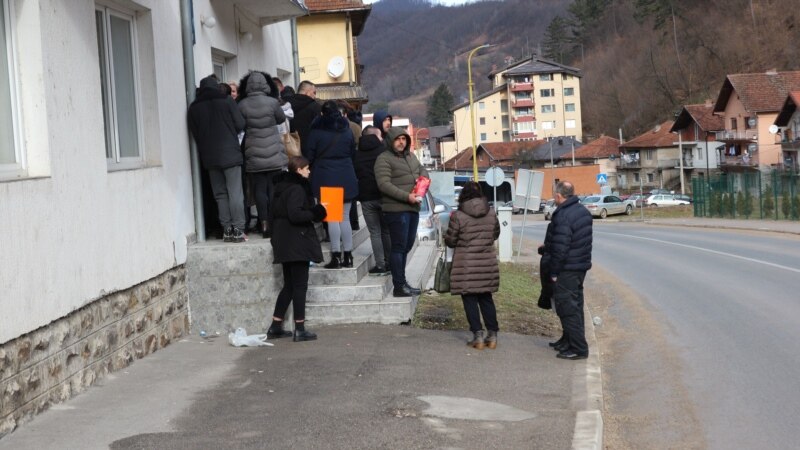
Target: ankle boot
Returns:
[[276, 331], [265, 231], [491, 339], [335, 261], [477, 340], [300, 333], [347, 259]]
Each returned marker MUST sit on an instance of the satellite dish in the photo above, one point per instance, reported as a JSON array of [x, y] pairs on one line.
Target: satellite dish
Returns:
[[773, 129], [336, 67]]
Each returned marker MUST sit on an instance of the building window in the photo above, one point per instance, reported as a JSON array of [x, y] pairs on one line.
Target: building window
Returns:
[[548, 124], [548, 108], [546, 77], [650, 178], [481, 105], [482, 121], [568, 92], [636, 177], [569, 107], [570, 123], [699, 154], [648, 155], [733, 124], [116, 43], [10, 142], [547, 92]]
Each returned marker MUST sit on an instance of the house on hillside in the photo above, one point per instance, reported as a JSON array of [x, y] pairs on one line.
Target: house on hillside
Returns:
[[603, 152], [749, 104], [788, 123], [328, 49], [530, 99], [696, 127], [97, 204], [650, 159], [441, 143], [555, 152]]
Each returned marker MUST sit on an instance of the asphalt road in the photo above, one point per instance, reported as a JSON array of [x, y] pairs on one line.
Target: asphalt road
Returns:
[[730, 303]]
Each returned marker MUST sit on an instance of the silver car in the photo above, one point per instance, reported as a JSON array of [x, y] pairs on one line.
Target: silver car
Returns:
[[433, 214], [603, 205], [549, 208]]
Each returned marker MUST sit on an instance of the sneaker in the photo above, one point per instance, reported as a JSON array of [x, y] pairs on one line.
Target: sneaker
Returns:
[[379, 272], [227, 236], [238, 235]]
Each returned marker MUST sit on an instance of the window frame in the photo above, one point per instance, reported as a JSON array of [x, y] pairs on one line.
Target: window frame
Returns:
[[546, 77], [18, 168], [572, 122], [571, 91], [550, 92], [567, 107], [548, 109], [116, 161]]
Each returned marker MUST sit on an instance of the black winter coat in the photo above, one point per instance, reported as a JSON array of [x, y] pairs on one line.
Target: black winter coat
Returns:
[[369, 147], [291, 220], [305, 109], [569, 240], [331, 149], [215, 121]]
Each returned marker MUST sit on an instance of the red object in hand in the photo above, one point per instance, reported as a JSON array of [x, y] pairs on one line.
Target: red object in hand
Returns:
[[421, 188]]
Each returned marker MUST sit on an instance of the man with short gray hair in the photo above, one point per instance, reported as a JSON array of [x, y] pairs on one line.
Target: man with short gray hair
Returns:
[[569, 247]]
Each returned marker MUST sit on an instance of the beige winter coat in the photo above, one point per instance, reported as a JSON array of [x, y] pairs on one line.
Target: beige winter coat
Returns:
[[472, 232]]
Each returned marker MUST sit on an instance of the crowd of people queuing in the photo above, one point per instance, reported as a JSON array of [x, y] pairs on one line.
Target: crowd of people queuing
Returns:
[[241, 133]]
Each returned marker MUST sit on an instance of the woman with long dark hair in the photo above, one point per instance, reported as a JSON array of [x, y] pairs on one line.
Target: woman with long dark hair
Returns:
[[294, 245], [475, 274]]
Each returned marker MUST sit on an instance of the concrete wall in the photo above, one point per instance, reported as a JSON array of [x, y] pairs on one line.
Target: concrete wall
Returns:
[[583, 177], [74, 230]]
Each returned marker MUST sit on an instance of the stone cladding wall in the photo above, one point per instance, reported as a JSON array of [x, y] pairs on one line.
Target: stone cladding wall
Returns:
[[58, 361]]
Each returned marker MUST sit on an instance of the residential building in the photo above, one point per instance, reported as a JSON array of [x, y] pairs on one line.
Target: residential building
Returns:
[[696, 127], [749, 103], [328, 50], [604, 153], [441, 142], [530, 99], [96, 182], [649, 160], [553, 152], [788, 123]]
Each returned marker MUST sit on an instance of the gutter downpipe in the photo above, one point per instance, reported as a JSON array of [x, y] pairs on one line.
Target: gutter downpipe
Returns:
[[295, 53], [189, 83]]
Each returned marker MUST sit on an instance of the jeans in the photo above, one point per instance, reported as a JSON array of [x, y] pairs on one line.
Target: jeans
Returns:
[[340, 232], [295, 287], [483, 302], [262, 187], [568, 296], [403, 234], [227, 187], [378, 232]]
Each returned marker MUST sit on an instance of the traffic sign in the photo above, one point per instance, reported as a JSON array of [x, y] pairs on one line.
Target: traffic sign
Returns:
[[602, 178], [494, 176]]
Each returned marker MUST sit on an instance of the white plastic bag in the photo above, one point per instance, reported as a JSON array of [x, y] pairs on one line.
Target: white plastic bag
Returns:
[[239, 338]]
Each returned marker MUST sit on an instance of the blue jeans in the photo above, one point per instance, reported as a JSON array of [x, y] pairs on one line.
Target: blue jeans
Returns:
[[403, 233]]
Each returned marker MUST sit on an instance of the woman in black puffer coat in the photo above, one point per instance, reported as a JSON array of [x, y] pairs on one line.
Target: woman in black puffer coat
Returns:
[[294, 245]]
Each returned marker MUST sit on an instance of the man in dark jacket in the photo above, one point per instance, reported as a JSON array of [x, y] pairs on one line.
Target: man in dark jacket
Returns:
[[215, 121], [306, 109], [383, 121], [369, 147], [568, 250], [396, 173]]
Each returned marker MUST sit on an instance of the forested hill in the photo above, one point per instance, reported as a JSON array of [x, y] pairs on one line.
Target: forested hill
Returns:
[[408, 47], [641, 59]]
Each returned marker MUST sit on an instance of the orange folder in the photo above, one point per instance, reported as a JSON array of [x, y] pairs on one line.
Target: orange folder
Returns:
[[332, 198]]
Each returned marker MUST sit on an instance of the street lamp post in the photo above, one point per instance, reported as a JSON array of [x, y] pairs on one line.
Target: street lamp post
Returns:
[[552, 168], [470, 84]]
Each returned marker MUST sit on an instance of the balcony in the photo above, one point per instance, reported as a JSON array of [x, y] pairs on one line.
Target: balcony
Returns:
[[523, 135], [524, 118], [736, 135], [791, 146], [522, 103], [521, 87], [739, 160]]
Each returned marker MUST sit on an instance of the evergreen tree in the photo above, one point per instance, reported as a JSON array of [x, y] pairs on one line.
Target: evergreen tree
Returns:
[[439, 105], [583, 15], [796, 207], [748, 204], [740, 203], [769, 204], [556, 44], [786, 205]]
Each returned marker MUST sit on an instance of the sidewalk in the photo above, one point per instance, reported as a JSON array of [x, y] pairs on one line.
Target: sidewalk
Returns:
[[364, 386]]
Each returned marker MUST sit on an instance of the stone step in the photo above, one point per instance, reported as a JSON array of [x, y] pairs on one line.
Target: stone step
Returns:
[[362, 262]]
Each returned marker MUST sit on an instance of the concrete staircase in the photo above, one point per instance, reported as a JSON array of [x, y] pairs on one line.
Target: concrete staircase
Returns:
[[236, 285]]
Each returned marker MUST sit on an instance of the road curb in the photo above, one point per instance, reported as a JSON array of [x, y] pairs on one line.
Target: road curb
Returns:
[[720, 227], [587, 395]]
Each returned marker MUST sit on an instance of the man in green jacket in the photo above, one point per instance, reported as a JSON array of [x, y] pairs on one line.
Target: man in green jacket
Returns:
[[396, 173]]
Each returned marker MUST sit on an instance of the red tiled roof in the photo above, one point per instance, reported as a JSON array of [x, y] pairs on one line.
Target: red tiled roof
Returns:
[[462, 160], [705, 117], [758, 92], [659, 136], [333, 5], [496, 153], [602, 147]]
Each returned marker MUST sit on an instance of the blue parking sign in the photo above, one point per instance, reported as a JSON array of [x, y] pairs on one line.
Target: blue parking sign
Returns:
[[602, 178]]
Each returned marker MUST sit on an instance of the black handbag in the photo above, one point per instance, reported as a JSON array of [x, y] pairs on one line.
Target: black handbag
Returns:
[[441, 280]]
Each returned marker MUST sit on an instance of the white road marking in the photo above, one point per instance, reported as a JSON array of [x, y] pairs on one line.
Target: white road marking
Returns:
[[707, 250]]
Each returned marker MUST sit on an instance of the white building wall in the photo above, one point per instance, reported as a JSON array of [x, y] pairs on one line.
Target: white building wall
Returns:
[[74, 231]]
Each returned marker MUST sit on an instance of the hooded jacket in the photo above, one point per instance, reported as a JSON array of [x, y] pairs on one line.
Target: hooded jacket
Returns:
[[568, 242], [306, 109], [331, 149], [369, 148], [215, 120], [472, 232], [396, 174], [294, 237], [263, 147]]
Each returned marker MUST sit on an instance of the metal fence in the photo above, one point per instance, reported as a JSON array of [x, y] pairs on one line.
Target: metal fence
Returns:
[[748, 195]]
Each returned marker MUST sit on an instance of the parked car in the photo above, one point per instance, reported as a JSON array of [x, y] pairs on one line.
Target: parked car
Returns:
[[660, 191], [665, 200], [637, 199], [604, 205], [432, 215], [549, 209], [683, 197]]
